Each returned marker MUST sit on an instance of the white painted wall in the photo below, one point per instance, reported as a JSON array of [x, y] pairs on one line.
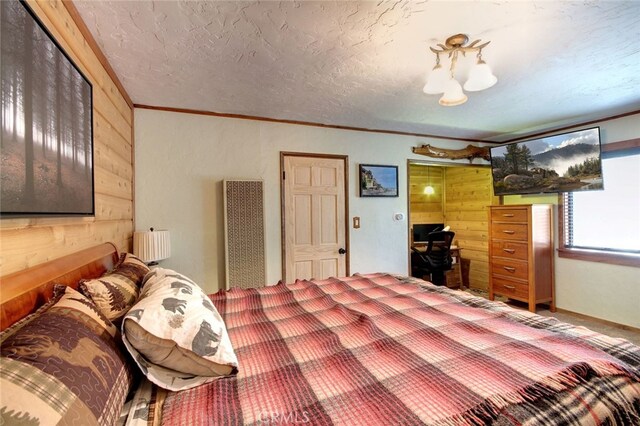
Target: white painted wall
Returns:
[[181, 160], [600, 290]]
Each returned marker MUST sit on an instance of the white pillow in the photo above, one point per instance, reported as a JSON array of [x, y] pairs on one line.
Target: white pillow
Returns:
[[176, 335]]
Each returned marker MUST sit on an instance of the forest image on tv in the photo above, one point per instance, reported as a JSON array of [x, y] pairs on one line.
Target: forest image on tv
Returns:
[[46, 165], [562, 163]]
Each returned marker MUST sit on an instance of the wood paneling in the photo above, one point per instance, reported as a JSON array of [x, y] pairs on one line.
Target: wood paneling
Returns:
[[468, 194], [461, 199], [28, 242], [426, 208]]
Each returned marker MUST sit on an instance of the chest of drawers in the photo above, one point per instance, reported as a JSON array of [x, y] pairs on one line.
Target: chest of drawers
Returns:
[[521, 253]]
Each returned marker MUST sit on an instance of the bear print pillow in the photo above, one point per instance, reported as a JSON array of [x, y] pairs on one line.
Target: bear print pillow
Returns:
[[176, 335]]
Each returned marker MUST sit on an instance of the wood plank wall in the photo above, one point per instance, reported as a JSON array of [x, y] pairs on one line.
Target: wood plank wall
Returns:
[[27, 242], [468, 193], [426, 208]]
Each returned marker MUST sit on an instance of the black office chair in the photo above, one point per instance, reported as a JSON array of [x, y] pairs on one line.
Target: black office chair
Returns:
[[436, 259]]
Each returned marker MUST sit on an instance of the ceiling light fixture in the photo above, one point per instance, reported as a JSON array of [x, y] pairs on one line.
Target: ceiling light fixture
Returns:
[[439, 81]]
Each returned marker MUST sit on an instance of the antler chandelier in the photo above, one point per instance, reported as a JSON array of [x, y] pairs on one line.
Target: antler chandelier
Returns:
[[441, 81]]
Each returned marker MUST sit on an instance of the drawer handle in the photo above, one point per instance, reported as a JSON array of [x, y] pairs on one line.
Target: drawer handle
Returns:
[[509, 268], [507, 214], [510, 287], [510, 251], [507, 231]]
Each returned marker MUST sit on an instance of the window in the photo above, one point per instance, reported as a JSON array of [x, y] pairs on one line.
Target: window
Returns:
[[604, 226]]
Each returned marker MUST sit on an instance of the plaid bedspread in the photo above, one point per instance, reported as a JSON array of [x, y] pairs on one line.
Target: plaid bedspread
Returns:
[[379, 349]]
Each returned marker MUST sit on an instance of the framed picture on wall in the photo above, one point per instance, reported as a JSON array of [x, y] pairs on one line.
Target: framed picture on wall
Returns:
[[46, 141], [378, 181]]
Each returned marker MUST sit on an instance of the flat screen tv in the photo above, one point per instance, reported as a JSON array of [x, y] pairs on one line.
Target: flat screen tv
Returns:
[[46, 144], [566, 162]]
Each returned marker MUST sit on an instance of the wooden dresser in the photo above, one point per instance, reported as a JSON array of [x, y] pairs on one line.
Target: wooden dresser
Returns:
[[521, 253]]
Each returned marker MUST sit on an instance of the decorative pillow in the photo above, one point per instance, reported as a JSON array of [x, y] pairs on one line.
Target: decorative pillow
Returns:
[[58, 291], [176, 335], [115, 292], [64, 366]]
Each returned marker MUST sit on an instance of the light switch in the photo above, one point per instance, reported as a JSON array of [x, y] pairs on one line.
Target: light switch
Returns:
[[356, 222]]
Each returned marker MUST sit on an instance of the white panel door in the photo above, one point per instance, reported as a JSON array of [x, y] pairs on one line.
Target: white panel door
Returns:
[[314, 211]]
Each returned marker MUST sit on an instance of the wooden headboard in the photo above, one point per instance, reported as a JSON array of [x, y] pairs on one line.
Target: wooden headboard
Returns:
[[25, 291]]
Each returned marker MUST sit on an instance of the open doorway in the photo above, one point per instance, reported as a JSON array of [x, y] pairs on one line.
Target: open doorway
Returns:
[[457, 196]]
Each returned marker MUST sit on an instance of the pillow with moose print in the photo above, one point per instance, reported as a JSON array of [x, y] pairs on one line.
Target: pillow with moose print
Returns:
[[65, 365], [115, 292], [176, 335]]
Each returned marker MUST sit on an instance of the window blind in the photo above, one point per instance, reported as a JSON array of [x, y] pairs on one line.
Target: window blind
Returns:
[[568, 219]]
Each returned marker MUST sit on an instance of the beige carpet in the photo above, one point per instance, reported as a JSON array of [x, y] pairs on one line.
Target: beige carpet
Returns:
[[601, 326]]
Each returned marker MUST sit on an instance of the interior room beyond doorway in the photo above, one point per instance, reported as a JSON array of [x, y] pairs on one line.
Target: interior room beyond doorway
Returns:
[[458, 196]]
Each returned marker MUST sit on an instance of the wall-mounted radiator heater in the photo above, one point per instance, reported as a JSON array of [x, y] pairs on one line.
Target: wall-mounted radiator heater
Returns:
[[244, 233]]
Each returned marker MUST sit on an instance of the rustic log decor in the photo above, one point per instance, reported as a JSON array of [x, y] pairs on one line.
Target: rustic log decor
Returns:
[[470, 152]]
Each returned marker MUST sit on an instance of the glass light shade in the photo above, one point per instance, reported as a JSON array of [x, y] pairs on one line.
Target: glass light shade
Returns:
[[429, 190], [436, 81], [480, 78], [453, 94]]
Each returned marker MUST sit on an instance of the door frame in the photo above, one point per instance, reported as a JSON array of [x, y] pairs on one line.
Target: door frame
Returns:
[[345, 159]]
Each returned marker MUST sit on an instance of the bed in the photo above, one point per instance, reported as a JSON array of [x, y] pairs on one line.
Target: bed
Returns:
[[367, 349]]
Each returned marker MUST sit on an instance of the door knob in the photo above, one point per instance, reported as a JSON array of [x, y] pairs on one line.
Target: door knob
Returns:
[[341, 250]]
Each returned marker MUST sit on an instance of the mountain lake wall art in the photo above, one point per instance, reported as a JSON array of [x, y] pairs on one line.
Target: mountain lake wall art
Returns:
[[562, 163]]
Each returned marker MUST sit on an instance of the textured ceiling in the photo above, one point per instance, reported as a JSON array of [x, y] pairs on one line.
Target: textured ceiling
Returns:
[[363, 63]]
